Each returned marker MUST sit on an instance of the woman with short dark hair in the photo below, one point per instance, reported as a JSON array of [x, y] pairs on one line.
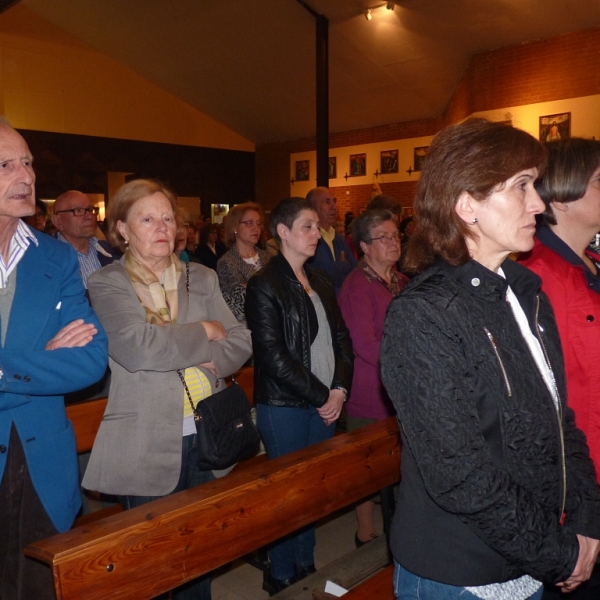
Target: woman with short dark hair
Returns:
[[570, 272], [498, 493], [302, 361]]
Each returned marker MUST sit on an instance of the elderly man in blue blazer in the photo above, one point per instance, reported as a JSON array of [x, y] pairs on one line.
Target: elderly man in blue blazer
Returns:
[[333, 254], [50, 343]]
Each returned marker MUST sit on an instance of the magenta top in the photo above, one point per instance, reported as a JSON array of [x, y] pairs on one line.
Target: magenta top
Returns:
[[364, 299]]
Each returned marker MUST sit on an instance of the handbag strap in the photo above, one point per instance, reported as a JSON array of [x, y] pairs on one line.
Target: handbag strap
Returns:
[[187, 391]]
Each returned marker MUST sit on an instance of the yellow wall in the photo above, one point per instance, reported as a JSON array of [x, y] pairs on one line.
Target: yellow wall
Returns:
[[50, 81]]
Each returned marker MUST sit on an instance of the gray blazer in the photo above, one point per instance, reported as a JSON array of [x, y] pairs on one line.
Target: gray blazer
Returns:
[[138, 447]]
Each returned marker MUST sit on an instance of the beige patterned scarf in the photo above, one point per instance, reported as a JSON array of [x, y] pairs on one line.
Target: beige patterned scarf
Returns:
[[158, 299]]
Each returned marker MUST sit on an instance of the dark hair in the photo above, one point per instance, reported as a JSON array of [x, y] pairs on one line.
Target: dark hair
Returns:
[[286, 212], [571, 164], [382, 202], [205, 231], [405, 223], [365, 223], [122, 203], [234, 218], [476, 157]]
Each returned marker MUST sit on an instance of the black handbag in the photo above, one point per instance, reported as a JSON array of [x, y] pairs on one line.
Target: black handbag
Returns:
[[225, 431]]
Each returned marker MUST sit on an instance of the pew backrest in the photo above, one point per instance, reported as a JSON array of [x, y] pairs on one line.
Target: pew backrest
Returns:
[[151, 549]]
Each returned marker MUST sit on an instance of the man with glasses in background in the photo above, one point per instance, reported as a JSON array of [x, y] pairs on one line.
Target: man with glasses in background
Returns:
[[75, 218]]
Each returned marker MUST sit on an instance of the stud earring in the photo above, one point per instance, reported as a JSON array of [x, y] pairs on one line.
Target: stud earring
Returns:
[[475, 220]]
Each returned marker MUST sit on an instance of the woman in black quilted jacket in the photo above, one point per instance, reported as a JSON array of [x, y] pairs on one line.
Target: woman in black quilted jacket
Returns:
[[498, 493]]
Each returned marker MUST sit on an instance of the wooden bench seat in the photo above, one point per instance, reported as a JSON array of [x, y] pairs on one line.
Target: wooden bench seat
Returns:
[[378, 587], [151, 549]]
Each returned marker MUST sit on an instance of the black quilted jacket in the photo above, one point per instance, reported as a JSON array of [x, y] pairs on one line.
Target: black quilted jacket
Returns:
[[483, 473], [284, 324]]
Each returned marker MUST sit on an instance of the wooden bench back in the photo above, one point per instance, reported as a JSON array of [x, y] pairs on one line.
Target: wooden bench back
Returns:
[[148, 550]]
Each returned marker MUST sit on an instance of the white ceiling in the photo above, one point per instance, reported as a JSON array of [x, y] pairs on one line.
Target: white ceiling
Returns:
[[249, 64]]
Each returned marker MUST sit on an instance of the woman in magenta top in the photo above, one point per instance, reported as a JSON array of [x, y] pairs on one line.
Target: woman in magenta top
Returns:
[[363, 299]]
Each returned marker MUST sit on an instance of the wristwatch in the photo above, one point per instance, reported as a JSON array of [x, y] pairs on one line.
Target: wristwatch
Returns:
[[343, 389]]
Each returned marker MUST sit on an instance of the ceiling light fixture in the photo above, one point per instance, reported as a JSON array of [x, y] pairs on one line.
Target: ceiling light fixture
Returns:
[[368, 15], [390, 4]]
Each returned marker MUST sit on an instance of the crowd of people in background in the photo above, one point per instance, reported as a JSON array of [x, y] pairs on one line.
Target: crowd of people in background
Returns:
[[488, 362]]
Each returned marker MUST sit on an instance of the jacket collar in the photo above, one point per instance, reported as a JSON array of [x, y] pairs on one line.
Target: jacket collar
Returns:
[[280, 262], [548, 238], [487, 285]]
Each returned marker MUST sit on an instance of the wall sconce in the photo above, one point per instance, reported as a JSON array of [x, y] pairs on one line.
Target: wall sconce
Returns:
[[368, 15], [390, 4]]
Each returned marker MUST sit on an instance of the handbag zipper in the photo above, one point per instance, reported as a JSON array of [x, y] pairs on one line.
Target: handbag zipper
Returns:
[[495, 347]]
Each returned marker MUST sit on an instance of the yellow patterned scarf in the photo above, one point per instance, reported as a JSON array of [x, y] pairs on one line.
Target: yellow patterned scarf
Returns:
[[158, 299]]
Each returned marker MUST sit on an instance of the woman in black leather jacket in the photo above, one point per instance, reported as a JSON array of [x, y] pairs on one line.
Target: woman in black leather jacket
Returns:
[[302, 361], [498, 493]]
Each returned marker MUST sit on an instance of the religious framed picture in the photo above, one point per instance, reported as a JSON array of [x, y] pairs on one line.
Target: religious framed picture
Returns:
[[419, 154], [302, 170], [358, 165], [555, 127], [389, 161], [332, 167]]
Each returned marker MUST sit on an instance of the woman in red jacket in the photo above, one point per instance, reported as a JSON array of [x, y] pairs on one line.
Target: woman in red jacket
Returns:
[[570, 272]]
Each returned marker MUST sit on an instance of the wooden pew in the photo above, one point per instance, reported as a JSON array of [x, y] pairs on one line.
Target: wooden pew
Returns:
[[151, 549]]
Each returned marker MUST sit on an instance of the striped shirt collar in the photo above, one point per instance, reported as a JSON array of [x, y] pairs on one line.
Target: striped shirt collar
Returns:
[[22, 237]]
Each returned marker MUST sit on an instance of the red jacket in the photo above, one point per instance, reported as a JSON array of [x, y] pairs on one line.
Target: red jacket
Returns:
[[577, 308]]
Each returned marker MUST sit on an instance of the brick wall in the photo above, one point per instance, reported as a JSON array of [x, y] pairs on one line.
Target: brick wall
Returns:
[[273, 164], [565, 66]]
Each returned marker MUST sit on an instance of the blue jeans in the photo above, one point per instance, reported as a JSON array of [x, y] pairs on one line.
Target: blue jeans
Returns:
[[286, 430], [408, 586], [190, 476]]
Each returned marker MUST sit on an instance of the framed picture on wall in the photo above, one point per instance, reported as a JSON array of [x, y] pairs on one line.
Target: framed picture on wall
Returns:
[[555, 127], [419, 154], [302, 170], [358, 165], [389, 161], [332, 167]]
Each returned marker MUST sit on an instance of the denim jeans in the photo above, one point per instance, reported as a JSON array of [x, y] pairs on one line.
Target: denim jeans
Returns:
[[408, 586], [284, 430], [190, 476]]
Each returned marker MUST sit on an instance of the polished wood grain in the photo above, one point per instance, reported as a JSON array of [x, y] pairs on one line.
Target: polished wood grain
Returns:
[[151, 549]]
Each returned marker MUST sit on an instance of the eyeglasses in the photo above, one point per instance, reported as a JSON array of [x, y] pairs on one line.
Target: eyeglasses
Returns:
[[79, 211], [386, 238], [250, 223]]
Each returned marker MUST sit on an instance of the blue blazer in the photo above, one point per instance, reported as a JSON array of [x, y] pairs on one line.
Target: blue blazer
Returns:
[[337, 269], [48, 296]]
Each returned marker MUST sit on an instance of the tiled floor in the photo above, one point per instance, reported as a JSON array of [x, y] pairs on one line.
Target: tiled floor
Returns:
[[335, 538]]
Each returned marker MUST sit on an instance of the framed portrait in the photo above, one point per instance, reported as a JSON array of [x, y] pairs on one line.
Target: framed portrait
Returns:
[[389, 161], [302, 170], [419, 154], [555, 127], [358, 165], [332, 167]]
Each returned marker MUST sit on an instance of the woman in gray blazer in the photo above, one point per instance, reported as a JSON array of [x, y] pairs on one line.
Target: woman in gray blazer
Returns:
[[168, 328]]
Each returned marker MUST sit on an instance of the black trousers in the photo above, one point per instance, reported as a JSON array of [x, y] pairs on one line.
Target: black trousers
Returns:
[[23, 520]]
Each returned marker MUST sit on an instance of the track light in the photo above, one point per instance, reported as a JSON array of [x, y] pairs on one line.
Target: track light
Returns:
[[368, 15], [390, 4]]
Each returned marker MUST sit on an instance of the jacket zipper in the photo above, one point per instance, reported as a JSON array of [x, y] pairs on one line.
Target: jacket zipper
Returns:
[[559, 412], [495, 347]]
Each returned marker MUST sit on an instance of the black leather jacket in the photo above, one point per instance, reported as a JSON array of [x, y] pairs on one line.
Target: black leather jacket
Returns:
[[486, 454], [283, 322]]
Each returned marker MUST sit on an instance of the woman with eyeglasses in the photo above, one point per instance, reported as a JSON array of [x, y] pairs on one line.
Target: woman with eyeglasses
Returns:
[[243, 226], [498, 493], [364, 298]]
